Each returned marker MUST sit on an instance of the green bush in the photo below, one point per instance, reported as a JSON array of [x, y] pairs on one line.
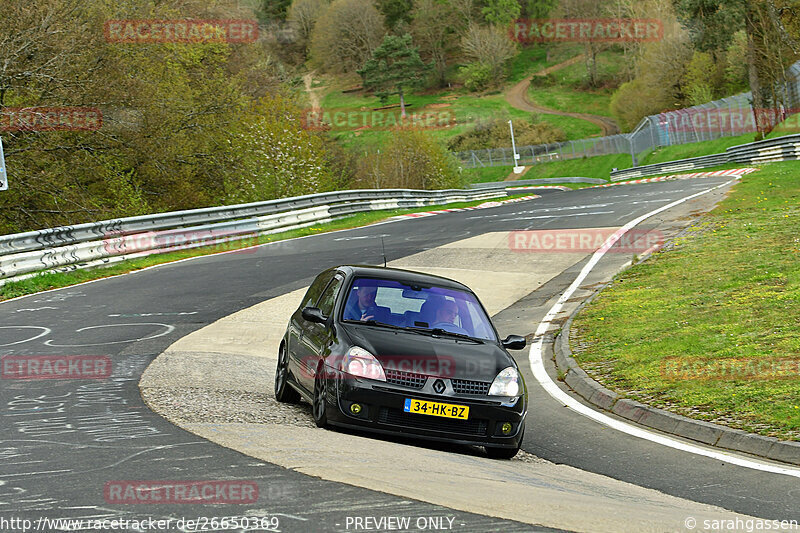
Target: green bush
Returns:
[[495, 133], [411, 160], [477, 76]]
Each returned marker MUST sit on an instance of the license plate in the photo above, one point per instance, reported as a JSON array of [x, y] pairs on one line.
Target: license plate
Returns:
[[446, 410]]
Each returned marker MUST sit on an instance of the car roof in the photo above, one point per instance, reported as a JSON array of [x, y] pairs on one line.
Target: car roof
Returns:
[[397, 274]]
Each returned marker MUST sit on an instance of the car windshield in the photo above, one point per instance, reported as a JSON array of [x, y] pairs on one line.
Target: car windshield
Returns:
[[417, 306]]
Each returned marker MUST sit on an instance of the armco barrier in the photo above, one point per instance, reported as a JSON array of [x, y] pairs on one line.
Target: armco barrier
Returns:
[[784, 148], [539, 181], [680, 165], [65, 248]]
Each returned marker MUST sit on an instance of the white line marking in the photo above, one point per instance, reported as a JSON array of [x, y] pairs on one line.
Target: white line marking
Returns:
[[35, 473], [362, 237], [536, 360], [169, 329], [42, 334], [560, 216]]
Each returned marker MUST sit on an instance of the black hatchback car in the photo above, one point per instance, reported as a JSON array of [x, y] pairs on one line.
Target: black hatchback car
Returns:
[[404, 353]]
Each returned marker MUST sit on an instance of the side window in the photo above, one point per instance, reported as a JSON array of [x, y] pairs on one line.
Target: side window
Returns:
[[328, 297], [314, 291]]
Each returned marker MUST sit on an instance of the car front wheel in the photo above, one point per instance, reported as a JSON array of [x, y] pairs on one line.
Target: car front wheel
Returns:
[[320, 407], [283, 391], [504, 453]]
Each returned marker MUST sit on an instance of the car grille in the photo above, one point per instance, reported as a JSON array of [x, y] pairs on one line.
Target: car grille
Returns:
[[406, 379], [466, 386], [396, 417]]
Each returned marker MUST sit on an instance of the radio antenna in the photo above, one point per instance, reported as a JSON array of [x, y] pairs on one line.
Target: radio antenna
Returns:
[[383, 247]]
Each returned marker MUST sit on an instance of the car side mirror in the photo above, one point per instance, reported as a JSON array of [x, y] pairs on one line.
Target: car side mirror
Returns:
[[514, 342], [313, 314]]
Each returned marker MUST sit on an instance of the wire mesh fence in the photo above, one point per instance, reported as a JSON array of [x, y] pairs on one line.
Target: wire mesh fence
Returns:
[[726, 117]]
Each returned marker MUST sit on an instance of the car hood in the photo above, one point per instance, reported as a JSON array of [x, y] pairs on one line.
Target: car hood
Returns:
[[432, 356]]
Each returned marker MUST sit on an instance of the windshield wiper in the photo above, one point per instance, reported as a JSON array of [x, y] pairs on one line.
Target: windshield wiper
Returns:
[[444, 332], [381, 324], [419, 330]]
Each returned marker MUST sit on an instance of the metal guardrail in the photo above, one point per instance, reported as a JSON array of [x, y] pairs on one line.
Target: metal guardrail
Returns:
[[784, 148], [680, 165], [534, 182], [67, 248]]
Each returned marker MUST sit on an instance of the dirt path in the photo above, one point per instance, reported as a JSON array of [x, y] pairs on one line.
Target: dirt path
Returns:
[[517, 96], [313, 97]]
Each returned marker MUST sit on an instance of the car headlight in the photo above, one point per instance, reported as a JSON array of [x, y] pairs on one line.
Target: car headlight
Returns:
[[506, 383], [359, 362]]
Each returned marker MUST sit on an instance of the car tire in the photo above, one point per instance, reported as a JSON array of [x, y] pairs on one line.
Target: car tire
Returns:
[[504, 453], [319, 409], [283, 391], [501, 453]]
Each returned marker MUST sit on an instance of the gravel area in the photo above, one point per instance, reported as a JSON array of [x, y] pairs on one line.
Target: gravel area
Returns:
[[196, 405], [210, 387]]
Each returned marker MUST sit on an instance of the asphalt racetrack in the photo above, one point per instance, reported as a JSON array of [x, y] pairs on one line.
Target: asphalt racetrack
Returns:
[[65, 442]]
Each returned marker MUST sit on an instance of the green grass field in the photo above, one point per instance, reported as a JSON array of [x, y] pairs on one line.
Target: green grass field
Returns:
[[534, 58], [593, 103], [710, 329], [568, 91], [466, 109], [573, 128]]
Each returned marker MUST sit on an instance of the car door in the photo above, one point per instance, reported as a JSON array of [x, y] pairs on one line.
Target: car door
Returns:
[[298, 325], [317, 338]]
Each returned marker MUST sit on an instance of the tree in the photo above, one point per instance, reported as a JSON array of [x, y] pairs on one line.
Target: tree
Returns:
[[501, 12], [435, 27], [395, 66], [395, 11], [539, 9], [272, 10], [179, 125], [410, 160], [276, 157], [700, 79], [345, 35], [489, 45], [587, 9], [303, 14], [712, 23]]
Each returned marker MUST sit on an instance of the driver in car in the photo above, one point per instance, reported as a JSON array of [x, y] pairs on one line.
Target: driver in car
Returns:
[[362, 306], [446, 316]]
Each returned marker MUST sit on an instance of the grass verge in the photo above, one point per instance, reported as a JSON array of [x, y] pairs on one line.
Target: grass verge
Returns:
[[54, 280], [709, 328]]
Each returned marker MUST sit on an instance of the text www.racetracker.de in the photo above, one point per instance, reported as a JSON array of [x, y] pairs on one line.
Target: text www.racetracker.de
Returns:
[[199, 523]]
